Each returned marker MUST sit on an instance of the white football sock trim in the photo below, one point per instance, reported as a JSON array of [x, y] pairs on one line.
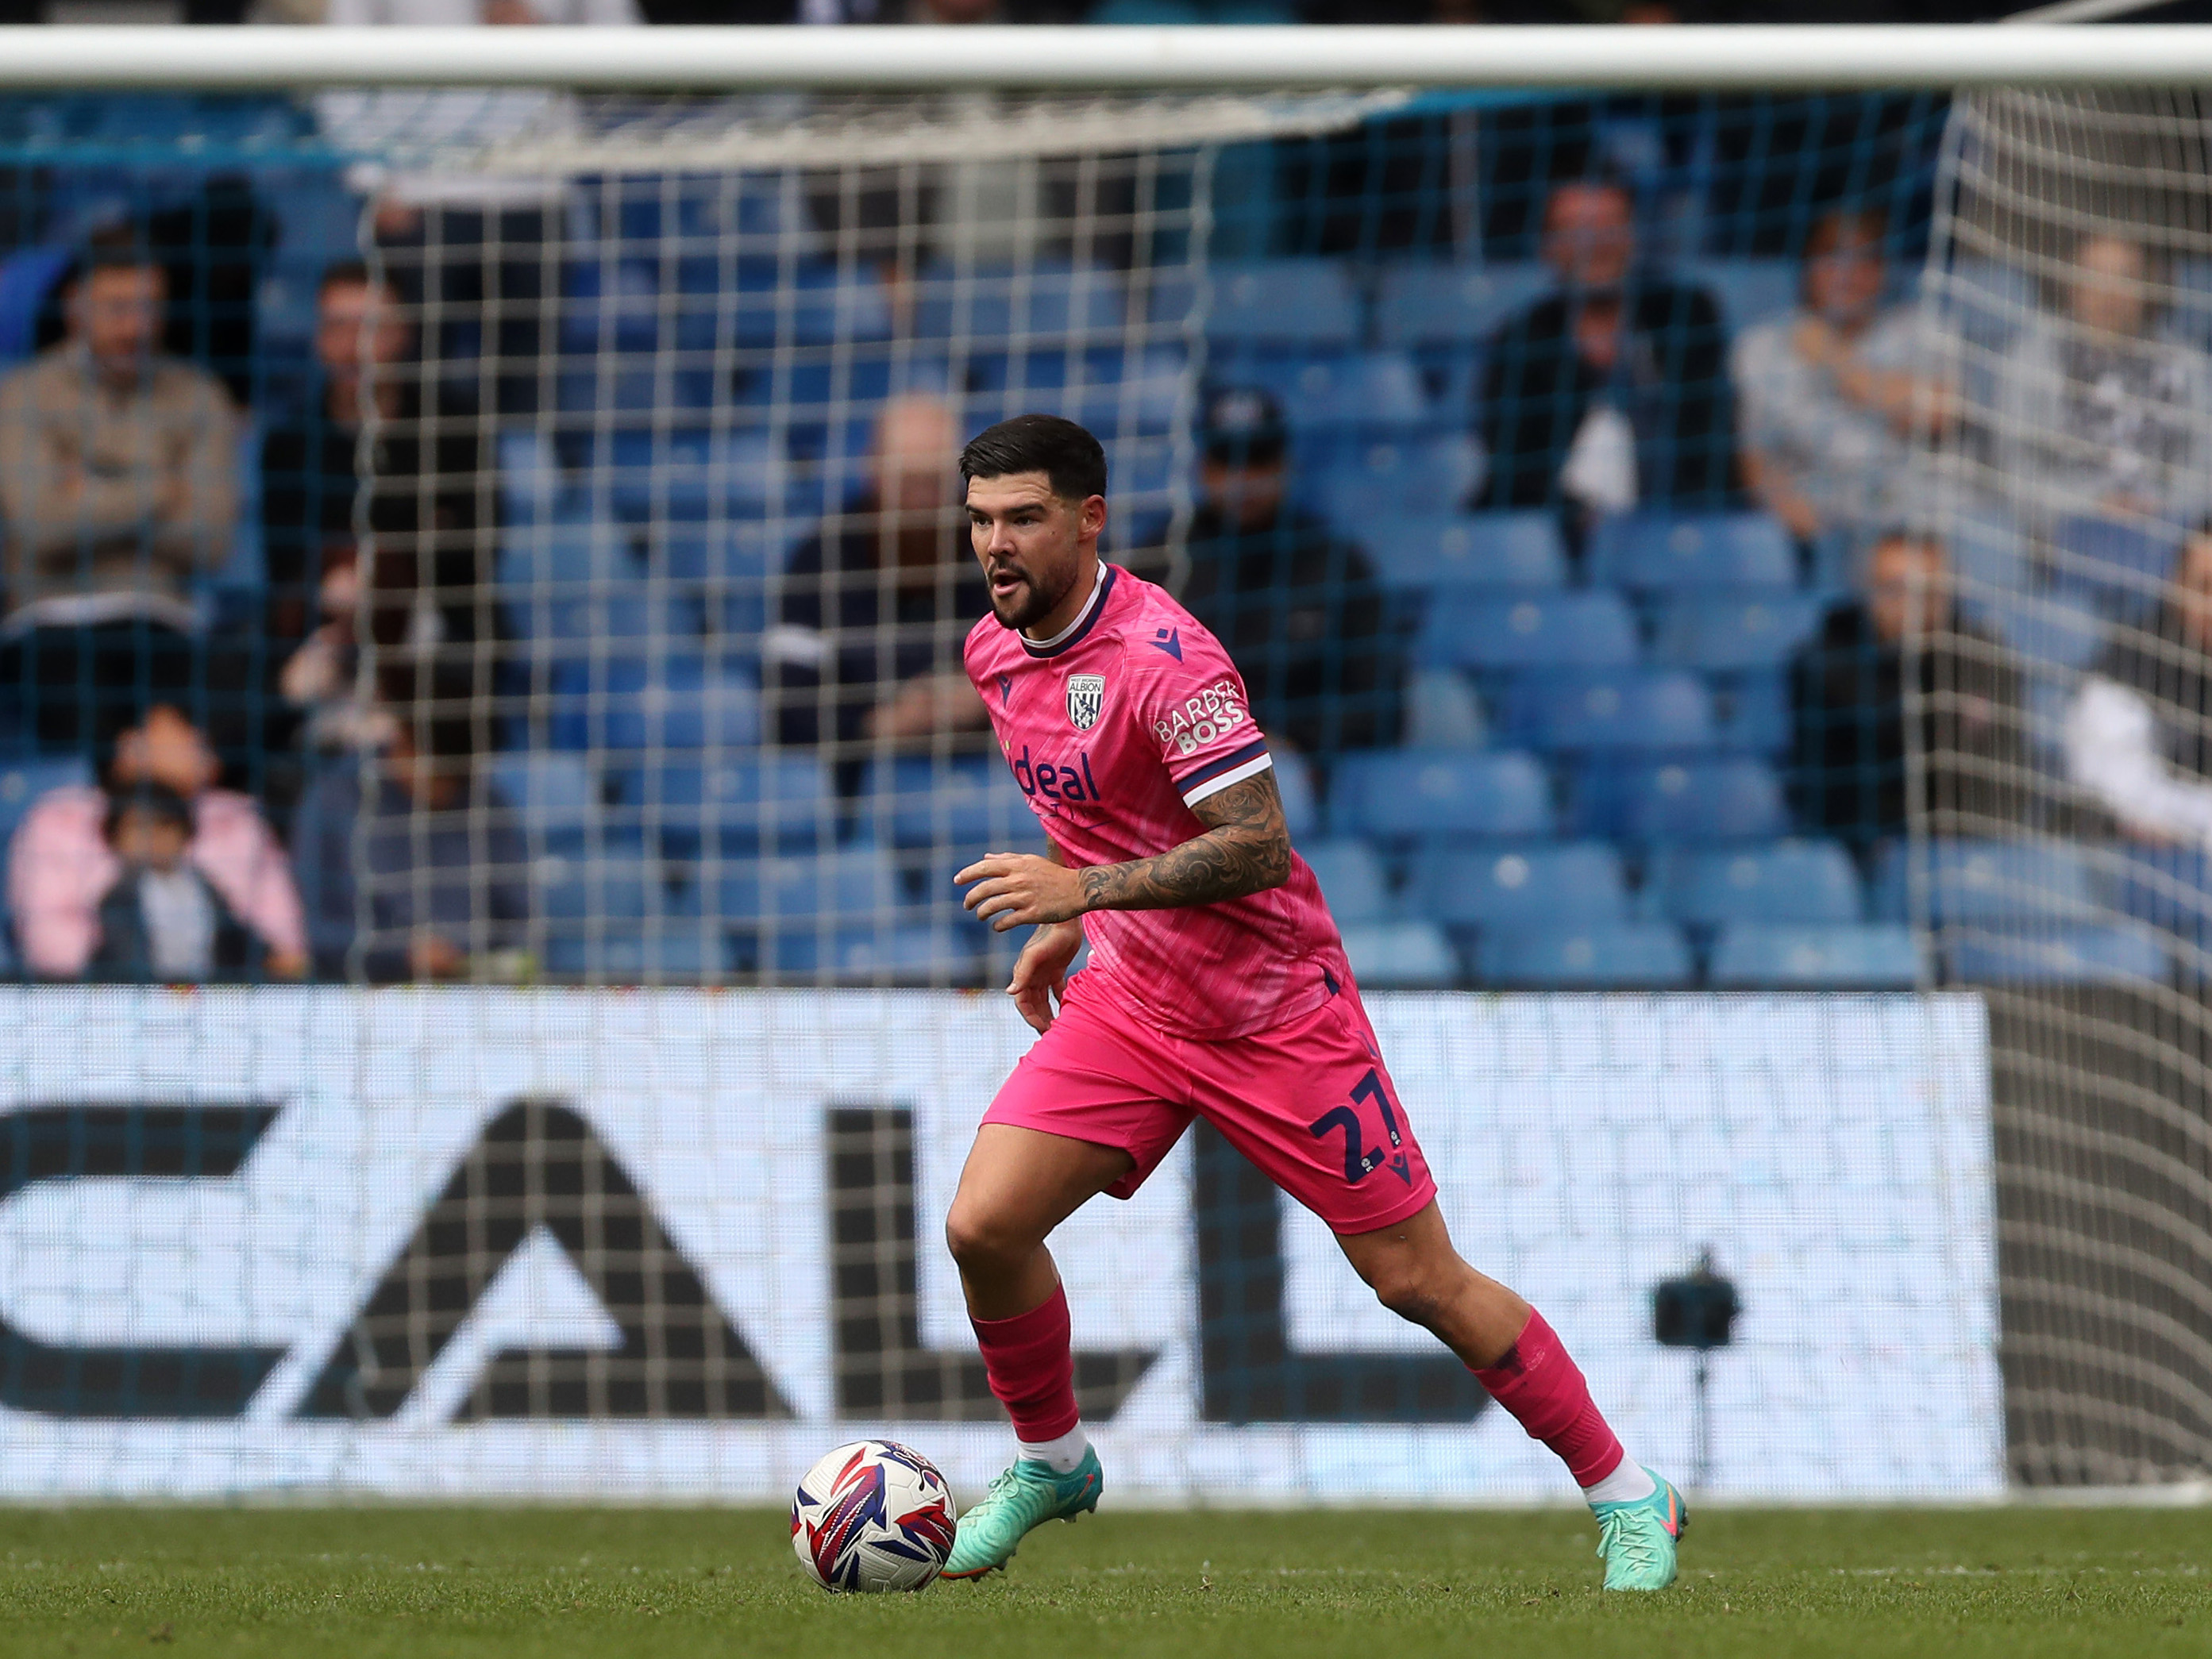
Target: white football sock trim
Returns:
[[1060, 1456], [1629, 1482]]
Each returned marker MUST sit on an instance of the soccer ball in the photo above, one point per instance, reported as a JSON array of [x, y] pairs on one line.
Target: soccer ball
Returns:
[[872, 1515]]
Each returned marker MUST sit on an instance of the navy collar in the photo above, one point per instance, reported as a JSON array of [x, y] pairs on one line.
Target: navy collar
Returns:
[[1075, 632]]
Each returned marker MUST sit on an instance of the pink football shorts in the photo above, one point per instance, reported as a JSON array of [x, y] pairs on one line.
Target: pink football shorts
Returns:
[[1310, 1103]]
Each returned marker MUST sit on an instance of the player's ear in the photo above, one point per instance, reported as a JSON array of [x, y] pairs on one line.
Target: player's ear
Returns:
[[1090, 518]]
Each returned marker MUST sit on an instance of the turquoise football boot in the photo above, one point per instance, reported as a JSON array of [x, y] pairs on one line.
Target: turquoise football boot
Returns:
[[1638, 1538], [1022, 1499]]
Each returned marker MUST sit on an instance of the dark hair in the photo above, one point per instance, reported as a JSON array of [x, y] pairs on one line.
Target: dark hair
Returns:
[[1839, 229], [1063, 452], [115, 247], [158, 801]]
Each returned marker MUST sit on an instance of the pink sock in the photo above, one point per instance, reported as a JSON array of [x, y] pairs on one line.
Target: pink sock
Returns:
[[1540, 1383], [1032, 1369]]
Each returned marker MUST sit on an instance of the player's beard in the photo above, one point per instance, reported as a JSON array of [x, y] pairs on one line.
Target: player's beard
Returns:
[[1034, 602]]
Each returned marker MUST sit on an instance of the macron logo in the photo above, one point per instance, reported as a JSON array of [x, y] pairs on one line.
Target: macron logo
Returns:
[[1169, 640], [1005, 689]]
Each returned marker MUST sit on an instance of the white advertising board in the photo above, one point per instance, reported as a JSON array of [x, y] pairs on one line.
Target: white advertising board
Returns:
[[259, 1241]]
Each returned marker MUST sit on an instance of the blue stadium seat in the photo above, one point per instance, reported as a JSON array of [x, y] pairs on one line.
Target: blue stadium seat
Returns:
[[612, 306], [1308, 304], [2061, 629], [1294, 783], [634, 702], [692, 474], [1327, 395], [672, 952], [1557, 630], [1401, 956], [1720, 633], [1798, 882], [1050, 302], [1629, 955], [571, 626], [2057, 956], [1351, 878], [1575, 884], [1749, 292], [729, 567], [1753, 710], [1660, 552], [1630, 709], [2120, 567], [1713, 800], [1413, 794], [2170, 888], [556, 798], [912, 955], [1850, 955], [617, 890], [824, 306], [1990, 883], [857, 887], [1427, 305], [570, 549], [1509, 551], [734, 806], [968, 804], [1386, 478]]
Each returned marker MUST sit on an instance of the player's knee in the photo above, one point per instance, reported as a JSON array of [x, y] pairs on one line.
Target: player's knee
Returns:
[[1412, 1290], [981, 1242]]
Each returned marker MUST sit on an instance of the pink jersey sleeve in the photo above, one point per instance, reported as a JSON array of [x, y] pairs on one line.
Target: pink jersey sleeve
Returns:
[[1192, 699]]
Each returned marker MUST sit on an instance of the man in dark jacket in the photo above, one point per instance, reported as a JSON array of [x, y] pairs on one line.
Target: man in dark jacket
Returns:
[[1612, 391], [1296, 604], [1847, 687]]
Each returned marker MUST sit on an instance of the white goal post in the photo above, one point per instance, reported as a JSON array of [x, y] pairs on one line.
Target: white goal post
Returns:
[[1076, 58]]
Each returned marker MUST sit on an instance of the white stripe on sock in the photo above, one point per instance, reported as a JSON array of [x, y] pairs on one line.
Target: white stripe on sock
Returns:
[[1060, 1456]]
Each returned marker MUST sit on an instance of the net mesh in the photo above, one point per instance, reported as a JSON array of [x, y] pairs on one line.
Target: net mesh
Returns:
[[2063, 777]]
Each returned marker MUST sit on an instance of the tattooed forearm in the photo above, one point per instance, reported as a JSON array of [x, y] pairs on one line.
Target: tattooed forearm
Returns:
[[1245, 849]]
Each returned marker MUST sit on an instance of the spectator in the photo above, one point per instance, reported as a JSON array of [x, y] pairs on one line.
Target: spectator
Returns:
[[876, 604], [419, 844], [2138, 735], [162, 921], [2097, 415], [479, 251], [425, 511], [1612, 390], [1847, 686], [1830, 399], [62, 866], [1296, 605], [119, 484]]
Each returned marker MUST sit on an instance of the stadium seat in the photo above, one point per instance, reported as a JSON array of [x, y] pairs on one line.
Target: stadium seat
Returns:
[[570, 626], [854, 888], [1717, 634], [823, 306], [671, 952], [1575, 710], [2119, 566], [1386, 478], [1428, 304], [969, 803], [910, 955], [1401, 956], [2056, 955], [555, 798], [1351, 878], [1984, 883], [1294, 783], [611, 305], [657, 702], [1576, 884], [1051, 302], [1681, 801], [1306, 303], [617, 891], [1850, 955], [1635, 955], [1798, 882], [2055, 629], [730, 569], [1753, 711], [1749, 292], [1559, 630], [1480, 551], [1659, 552], [1413, 794], [1322, 396], [734, 806], [2170, 888], [1443, 711], [571, 549]]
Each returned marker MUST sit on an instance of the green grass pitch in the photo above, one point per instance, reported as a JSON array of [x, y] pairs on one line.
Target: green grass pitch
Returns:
[[668, 1584]]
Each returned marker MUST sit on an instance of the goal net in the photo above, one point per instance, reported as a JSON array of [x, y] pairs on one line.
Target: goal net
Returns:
[[2061, 861], [578, 1114]]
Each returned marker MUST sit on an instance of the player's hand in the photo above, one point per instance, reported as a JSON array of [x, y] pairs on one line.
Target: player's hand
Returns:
[[1041, 972], [1012, 889]]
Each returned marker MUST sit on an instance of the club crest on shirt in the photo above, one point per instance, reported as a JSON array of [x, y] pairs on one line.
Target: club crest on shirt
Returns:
[[1086, 694]]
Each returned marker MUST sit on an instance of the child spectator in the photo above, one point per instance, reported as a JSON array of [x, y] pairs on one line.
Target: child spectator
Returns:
[[162, 921]]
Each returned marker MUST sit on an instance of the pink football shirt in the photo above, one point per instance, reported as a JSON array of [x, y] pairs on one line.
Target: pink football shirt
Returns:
[[1114, 730]]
